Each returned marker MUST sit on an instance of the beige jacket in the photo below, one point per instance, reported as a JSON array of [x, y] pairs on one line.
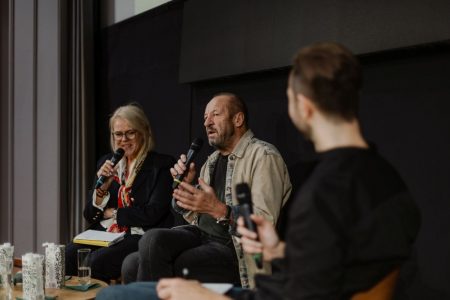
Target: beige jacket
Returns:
[[260, 165]]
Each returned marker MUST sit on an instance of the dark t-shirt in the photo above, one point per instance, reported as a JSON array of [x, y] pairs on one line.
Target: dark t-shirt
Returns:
[[351, 224], [206, 222]]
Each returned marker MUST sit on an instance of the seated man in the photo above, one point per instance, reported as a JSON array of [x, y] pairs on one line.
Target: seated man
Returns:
[[206, 249], [352, 223]]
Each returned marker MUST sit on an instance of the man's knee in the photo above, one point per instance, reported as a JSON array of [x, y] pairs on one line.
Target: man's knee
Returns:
[[130, 267], [152, 239]]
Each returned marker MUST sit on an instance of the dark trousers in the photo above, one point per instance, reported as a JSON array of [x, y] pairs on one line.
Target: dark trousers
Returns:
[[105, 262], [145, 291], [166, 252]]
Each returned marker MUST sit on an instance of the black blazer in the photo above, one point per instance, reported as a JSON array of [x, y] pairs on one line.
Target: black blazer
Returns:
[[152, 193]]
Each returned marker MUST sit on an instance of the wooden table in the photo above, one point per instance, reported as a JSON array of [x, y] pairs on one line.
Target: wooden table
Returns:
[[68, 294]]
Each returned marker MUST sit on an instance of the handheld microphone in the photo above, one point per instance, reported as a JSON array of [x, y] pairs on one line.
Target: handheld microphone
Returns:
[[190, 156], [115, 159], [244, 197]]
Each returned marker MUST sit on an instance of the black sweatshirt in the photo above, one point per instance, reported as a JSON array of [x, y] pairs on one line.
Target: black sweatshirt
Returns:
[[351, 224]]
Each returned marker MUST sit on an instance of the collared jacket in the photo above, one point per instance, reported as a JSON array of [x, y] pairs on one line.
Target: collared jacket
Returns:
[[260, 165], [151, 192]]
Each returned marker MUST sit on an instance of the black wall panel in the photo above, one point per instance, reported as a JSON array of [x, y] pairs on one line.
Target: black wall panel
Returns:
[[406, 101], [222, 38], [139, 62]]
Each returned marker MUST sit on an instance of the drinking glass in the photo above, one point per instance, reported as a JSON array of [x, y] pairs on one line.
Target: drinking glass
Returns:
[[84, 268]]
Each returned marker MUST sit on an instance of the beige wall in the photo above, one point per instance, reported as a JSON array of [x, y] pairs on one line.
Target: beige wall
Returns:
[[31, 127]]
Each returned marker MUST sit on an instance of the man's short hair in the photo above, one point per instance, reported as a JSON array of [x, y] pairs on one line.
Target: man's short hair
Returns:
[[331, 76], [236, 105]]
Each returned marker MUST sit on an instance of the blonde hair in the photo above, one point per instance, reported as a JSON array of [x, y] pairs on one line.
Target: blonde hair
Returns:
[[137, 119]]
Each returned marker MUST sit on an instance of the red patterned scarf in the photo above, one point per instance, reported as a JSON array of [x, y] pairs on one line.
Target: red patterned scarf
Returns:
[[126, 179]]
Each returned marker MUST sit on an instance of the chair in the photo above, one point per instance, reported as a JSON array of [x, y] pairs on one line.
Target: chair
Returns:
[[383, 290], [17, 265]]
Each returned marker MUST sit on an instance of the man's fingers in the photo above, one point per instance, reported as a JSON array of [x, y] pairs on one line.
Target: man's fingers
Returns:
[[163, 290], [251, 246], [181, 164], [205, 187], [182, 195], [185, 199], [190, 188], [179, 169], [186, 206], [259, 220], [244, 231], [173, 172], [247, 233]]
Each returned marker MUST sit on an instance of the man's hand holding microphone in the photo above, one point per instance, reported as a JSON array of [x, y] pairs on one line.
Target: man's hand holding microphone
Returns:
[[186, 197]]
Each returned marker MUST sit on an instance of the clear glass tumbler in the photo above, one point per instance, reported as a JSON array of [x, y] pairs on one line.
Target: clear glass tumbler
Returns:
[[84, 267]]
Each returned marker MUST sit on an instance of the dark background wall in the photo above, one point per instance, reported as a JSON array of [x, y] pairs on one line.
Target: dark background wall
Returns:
[[138, 61], [404, 107], [222, 38]]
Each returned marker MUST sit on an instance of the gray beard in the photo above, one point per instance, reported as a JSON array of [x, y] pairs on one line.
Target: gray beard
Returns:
[[219, 144]]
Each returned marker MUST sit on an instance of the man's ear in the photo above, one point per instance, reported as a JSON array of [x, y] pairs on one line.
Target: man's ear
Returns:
[[238, 119], [307, 107]]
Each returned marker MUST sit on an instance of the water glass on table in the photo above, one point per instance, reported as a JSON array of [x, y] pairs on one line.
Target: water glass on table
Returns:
[[84, 267]]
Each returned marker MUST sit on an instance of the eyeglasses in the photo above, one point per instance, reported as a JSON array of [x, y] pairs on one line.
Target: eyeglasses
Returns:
[[129, 134]]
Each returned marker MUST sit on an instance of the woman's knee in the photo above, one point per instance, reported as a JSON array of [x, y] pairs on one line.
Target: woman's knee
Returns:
[[71, 251]]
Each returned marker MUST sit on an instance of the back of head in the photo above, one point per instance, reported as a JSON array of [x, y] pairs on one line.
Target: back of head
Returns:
[[330, 75], [136, 118]]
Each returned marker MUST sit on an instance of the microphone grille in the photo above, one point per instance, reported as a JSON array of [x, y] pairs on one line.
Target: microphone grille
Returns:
[[119, 153], [243, 193], [197, 144]]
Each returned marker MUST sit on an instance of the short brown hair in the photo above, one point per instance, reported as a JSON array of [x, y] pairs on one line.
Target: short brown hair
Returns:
[[330, 75]]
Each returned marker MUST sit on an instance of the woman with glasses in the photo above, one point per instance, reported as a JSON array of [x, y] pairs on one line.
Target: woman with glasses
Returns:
[[134, 197]]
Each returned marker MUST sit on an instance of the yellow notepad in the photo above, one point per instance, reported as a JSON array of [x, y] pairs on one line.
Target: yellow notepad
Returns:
[[98, 238]]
